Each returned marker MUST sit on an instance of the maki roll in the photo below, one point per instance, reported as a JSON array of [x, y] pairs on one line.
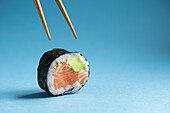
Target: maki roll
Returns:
[[62, 72]]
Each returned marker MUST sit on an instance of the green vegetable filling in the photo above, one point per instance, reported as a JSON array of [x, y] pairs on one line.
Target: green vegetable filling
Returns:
[[76, 63]]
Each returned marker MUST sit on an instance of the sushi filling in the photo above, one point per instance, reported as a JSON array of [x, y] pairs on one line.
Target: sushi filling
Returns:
[[67, 74]]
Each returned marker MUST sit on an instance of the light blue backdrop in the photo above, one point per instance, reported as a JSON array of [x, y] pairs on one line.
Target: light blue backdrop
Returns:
[[127, 43]]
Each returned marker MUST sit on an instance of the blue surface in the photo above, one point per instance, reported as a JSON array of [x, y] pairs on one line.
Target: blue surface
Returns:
[[126, 43]]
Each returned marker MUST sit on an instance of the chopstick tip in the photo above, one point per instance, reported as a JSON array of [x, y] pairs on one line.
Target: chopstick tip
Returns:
[[48, 34], [49, 38]]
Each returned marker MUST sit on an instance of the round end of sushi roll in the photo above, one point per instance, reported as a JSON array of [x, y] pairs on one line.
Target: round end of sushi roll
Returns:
[[66, 72]]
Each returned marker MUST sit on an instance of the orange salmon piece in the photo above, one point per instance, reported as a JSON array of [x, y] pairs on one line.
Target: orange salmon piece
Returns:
[[64, 75]]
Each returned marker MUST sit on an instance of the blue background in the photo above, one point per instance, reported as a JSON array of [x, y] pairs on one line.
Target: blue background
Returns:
[[127, 43]]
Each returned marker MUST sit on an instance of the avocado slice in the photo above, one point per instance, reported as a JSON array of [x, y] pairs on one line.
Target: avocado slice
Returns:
[[76, 63]]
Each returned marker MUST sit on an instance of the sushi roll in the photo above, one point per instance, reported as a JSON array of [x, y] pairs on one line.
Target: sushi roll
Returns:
[[62, 72]]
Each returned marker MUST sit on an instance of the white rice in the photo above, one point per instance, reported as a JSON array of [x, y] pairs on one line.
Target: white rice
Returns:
[[76, 86]]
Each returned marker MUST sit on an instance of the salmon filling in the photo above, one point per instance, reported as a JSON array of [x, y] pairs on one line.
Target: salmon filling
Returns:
[[64, 75]]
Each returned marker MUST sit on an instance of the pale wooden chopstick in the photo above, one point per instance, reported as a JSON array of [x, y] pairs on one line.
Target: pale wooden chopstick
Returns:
[[64, 12], [40, 11]]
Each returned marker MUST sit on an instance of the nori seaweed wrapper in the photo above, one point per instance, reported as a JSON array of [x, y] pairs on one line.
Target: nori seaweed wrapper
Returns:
[[44, 65]]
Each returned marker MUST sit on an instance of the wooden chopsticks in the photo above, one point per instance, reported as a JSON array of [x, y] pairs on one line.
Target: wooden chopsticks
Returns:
[[64, 12], [40, 11]]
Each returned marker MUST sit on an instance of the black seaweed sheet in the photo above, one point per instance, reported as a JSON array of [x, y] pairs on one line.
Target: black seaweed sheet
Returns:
[[44, 64]]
